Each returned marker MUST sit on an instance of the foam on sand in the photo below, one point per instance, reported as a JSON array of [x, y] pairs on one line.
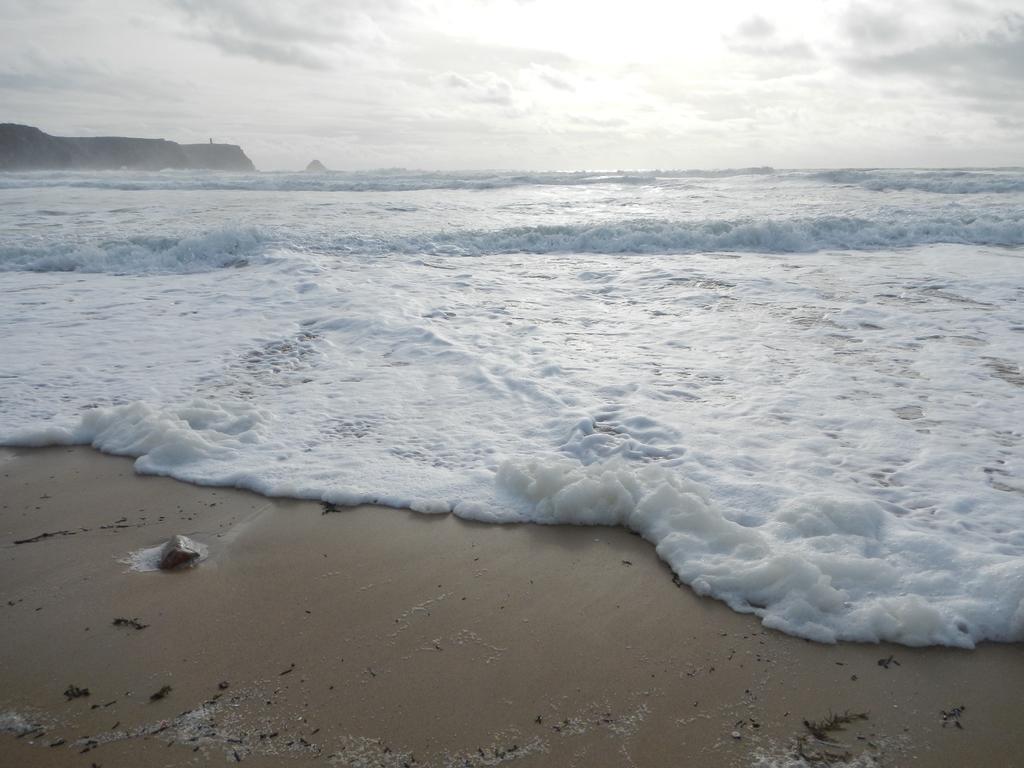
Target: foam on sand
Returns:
[[826, 568]]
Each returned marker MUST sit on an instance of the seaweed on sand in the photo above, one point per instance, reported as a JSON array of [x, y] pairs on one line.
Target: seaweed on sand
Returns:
[[817, 748]]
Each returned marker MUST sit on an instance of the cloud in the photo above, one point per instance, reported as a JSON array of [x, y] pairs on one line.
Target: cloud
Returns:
[[553, 78], [591, 121], [865, 25], [989, 67], [486, 88], [487, 83], [305, 33], [31, 9], [758, 37], [756, 27], [780, 50], [43, 71], [295, 55]]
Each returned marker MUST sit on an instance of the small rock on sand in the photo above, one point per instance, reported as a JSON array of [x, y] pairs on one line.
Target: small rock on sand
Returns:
[[179, 551]]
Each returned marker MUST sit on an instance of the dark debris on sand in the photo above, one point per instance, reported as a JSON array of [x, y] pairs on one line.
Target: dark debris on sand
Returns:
[[42, 536], [953, 716], [133, 623], [162, 693], [818, 746], [833, 722]]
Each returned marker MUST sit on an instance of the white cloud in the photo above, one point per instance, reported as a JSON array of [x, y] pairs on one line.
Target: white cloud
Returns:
[[303, 33], [553, 77], [756, 36], [756, 27], [486, 88], [460, 83]]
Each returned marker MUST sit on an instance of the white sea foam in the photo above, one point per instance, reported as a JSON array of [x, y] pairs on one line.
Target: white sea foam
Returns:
[[743, 235], [141, 254], [788, 758], [806, 422], [225, 248], [954, 181], [394, 180], [948, 182], [17, 724]]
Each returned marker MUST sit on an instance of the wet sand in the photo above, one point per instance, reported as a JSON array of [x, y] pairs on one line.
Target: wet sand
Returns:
[[381, 637]]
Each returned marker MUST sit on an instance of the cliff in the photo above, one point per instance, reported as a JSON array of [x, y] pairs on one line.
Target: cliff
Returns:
[[217, 157], [24, 148]]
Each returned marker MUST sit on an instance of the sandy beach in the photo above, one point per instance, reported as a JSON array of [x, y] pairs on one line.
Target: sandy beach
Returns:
[[379, 637]]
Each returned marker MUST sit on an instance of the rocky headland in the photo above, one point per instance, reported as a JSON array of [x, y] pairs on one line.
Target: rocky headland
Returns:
[[25, 148]]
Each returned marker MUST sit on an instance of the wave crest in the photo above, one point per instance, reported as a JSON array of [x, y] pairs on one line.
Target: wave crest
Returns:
[[747, 235], [395, 180], [141, 255], [952, 182]]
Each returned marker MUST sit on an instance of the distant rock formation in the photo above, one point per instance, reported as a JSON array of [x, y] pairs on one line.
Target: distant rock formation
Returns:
[[315, 166], [217, 157], [24, 148]]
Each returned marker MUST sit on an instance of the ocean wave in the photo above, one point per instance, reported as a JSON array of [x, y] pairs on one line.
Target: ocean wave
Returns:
[[353, 181], [947, 181], [141, 255], [223, 248], [952, 182], [743, 235]]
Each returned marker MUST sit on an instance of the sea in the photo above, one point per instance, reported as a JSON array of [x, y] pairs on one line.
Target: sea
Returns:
[[803, 388]]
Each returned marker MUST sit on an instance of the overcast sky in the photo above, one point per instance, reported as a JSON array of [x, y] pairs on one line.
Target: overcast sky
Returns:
[[531, 84]]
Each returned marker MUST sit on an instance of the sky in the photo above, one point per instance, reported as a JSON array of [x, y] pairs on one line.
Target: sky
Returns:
[[530, 84]]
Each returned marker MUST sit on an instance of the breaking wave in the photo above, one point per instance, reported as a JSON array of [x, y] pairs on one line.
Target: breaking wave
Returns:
[[951, 182], [399, 180], [943, 181], [222, 248], [141, 255], [744, 235]]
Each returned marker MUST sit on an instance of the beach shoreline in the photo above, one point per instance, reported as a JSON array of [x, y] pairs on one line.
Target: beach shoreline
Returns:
[[374, 636]]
